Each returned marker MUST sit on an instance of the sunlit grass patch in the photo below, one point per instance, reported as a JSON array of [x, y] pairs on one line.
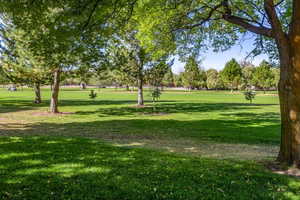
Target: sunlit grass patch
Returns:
[[88, 169]]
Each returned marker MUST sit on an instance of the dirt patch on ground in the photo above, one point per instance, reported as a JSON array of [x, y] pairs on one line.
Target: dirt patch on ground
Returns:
[[155, 114], [175, 145], [197, 148], [45, 113], [277, 168], [141, 106], [274, 95]]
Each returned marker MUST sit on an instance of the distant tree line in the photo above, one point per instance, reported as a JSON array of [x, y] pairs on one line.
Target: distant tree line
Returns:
[[234, 76]]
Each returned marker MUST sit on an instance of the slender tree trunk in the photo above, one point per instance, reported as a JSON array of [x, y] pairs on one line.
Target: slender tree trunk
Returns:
[[37, 91], [140, 83], [83, 85], [55, 91], [127, 88], [140, 90]]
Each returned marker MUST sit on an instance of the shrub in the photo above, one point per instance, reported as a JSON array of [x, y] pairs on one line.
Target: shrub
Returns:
[[249, 95], [93, 94]]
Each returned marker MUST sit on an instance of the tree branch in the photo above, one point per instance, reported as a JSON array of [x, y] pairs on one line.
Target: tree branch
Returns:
[[243, 23], [261, 30]]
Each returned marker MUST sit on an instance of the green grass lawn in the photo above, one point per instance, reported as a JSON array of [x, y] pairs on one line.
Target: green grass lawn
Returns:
[[197, 145]]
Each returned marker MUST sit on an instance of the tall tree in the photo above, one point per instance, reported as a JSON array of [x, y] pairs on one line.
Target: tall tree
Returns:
[[156, 74], [132, 59], [192, 76], [263, 76], [220, 23], [231, 74], [276, 76], [19, 63], [169, 79], [247, 75], [214, 80], [63, 31]]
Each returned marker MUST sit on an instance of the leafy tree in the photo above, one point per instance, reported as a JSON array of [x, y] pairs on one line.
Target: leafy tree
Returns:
[[249, 95], [195, 25], [92, 94], [169, 79], [276, 77], [178, 79], [64, 32], [193, 76], [134, 60], [84, 74], [263, 76], [247, 75], [231, 74], [122, 78], [3, 77], [214, 80], [132, 57], [157, 72], [19, 64]]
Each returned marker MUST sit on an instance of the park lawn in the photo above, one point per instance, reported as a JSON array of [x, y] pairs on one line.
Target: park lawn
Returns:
[[79, 168], [108, 148]]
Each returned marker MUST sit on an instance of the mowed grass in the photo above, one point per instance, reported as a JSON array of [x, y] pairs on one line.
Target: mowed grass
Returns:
[[204, 115], [108, 148]]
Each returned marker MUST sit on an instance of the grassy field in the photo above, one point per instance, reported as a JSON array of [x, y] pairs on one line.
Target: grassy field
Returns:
[[196, 145]]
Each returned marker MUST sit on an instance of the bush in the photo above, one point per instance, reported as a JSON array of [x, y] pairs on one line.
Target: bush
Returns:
[[93, 94], [249, 95], [155, 94]]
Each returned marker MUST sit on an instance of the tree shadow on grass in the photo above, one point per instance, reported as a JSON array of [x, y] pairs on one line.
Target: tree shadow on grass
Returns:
[[169, 108], [263, 128], [77, 168], [7, 106]]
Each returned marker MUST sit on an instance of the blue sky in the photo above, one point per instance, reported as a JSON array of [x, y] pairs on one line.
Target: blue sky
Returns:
[[217, 61]]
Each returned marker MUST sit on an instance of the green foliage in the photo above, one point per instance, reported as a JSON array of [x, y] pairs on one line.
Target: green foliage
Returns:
[[3, 77], [155, 75], [92, 94], [193, 76], [276, 77], [249, 95], [169, 78], [19, 63], [263, 76], [231, 74], [155, 94], [214, 80], [193, 26], [178, 79], [247, 76]]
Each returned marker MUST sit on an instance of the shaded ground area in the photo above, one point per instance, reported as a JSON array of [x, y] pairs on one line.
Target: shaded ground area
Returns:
[[205, 125], [77, 168], [110, 149], [183, 137]]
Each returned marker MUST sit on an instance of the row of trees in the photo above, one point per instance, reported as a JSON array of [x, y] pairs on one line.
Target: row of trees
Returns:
[[62, 35], [235, 75]]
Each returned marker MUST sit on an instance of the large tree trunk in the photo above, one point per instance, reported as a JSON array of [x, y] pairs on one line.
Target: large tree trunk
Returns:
[[37, 91], [289, 95], [140, 91], [55, 91], [288, 45]]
